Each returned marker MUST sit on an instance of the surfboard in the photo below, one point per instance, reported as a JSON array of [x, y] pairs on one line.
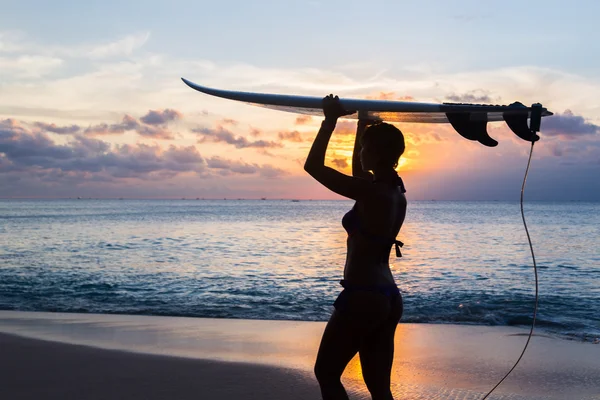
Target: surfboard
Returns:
[[469, 120]]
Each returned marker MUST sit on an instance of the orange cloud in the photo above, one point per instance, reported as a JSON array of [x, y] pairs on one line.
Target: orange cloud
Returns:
[[345, 127], [303, 119], [293, 136], [229, 121], [340, 163], [255, 132], [389, 96]]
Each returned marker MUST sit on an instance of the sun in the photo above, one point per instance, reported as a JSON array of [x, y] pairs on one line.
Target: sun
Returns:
[[401, 163]]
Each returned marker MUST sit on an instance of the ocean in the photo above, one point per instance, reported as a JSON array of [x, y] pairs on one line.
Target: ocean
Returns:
[[463, 262]]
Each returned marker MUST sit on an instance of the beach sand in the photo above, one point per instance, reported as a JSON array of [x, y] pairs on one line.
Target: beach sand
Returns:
[[94, 356]]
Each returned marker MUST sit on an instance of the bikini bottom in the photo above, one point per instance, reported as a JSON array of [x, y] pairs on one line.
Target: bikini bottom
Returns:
[[364, 298]]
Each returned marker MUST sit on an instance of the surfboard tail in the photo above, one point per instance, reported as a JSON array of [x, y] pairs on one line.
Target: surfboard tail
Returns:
[[517, 122], [472, 127]]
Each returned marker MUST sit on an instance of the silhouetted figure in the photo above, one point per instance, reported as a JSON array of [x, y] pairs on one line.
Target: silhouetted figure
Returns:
[[369, 307]]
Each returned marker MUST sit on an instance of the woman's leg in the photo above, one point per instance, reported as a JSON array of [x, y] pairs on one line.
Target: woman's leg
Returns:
[[337, 348], [359, 314], [377, 354]]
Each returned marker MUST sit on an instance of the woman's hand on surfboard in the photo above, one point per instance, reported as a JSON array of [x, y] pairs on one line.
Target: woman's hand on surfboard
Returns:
[[332, 108]]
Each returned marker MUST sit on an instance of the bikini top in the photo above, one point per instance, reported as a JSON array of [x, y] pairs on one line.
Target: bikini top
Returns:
[[351, 223]]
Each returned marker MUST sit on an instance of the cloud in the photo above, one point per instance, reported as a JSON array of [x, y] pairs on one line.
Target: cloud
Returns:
[[160, 117], [183, 155], [389, 96], [30, 155], [128, 123], [303, 119], [340, 163], [345, 127], [293, 136], [10, 42], [382, 96], [61, 130], [124, 46], [17, 42], [472, 96], [20, 146], [85, 146], [29, 66], [220, 134], [255, 132], [556, 150], [155, 132], [154, 126], [567, 125], [11, 126], [228, 166], [229, 121], [36, 153]]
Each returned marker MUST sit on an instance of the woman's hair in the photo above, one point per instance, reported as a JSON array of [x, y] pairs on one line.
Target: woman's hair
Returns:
[[386, 140]]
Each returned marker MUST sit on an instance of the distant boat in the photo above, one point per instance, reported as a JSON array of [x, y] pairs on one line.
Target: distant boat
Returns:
[[263, 198], [295, 201]]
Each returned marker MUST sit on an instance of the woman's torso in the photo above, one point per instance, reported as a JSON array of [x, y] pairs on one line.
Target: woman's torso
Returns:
[[372, 226]]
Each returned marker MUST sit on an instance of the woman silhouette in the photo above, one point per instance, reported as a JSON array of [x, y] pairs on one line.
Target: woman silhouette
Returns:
[[369, 307]]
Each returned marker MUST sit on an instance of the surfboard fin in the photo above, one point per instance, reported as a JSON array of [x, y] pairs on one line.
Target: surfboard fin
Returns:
[[517, 122], [472, 126]]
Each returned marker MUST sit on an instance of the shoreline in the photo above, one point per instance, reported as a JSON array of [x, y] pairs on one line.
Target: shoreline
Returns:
[[539, 331], [431, 361]]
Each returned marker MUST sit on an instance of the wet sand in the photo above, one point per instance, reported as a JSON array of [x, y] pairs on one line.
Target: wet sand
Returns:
[[35, 369], [93, 356]]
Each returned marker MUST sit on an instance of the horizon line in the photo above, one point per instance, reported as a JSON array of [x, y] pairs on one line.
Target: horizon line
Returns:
[[277, 199]]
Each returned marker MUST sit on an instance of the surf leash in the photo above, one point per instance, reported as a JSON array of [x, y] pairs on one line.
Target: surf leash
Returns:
[[534, 127]]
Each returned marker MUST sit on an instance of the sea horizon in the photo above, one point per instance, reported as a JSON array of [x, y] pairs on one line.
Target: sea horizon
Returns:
[[291, 198]]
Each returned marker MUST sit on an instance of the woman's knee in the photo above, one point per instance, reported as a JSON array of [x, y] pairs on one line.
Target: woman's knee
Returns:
[[378, 386], [378, 381], [325, 373]]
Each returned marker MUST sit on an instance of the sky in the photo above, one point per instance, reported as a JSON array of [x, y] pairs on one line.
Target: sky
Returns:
[[92, 105]]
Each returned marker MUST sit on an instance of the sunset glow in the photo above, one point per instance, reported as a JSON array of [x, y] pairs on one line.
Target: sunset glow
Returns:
[[104, 114]]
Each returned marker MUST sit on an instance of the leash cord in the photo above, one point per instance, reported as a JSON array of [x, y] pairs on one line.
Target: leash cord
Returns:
[[536, 279]]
